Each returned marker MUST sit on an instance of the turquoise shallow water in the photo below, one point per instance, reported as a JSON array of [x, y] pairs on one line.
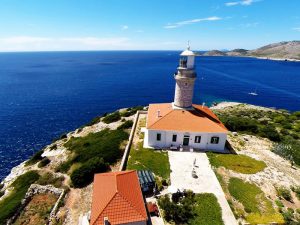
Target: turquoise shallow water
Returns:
[[43, 95]]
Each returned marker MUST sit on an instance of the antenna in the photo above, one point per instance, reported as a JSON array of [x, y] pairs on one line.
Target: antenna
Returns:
[[188, 45]]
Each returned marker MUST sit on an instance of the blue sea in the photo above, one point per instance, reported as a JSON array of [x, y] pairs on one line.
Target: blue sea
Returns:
[[45, 94]]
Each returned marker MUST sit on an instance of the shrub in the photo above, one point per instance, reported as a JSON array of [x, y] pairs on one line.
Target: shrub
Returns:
[[125, 125], [64, 167], [1, 193], [1, 185], [53, 147], [289, 149], [104, 144], [235, 123], [284, 192], [94, 121], [44, 162], [84, 175], [132, 111], [279, 203], [279, 119], [49, 178], [35, 158], [269, 132], [296, 189], [113, 117]]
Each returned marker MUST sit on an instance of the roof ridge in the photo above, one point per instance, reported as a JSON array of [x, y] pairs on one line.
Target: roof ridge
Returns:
[[161, 118], [131, 205], [105, 207], [215, 119]]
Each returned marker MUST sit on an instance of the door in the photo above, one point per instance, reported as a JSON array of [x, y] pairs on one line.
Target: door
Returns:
[[186, 140]]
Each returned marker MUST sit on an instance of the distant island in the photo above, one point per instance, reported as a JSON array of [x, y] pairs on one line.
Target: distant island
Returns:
[[287, 50]]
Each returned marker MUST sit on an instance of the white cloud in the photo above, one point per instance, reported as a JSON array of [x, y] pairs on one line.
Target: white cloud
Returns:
[[124, 27], [28, 43], [242, 2], [24, 40], [187, 22], [296, 28]]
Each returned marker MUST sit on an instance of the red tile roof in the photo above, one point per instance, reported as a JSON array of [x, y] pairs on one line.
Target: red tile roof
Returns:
[[118, 196], [199, 119]]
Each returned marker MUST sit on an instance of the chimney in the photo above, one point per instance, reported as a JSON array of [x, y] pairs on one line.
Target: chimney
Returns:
[[106, 222], [203, 104], [158, 113]]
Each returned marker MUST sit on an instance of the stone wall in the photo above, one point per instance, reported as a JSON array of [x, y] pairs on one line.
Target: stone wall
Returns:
[[36, 189]]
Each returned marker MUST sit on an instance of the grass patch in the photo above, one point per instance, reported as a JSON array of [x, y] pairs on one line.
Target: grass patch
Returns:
[[149, 159], [190, 208], [207, 210], [238, 163], [258, 207], [9, 205]]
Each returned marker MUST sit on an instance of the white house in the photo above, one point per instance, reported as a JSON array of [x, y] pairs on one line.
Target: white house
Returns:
[[182, 123]]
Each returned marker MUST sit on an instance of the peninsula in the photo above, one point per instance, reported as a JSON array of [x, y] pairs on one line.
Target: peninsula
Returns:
[[286, 50]]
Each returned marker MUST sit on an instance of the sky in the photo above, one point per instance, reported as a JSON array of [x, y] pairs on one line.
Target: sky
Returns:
[[59, 25]]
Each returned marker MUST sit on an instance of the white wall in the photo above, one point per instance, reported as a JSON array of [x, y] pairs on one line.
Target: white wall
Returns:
[[166, 139]]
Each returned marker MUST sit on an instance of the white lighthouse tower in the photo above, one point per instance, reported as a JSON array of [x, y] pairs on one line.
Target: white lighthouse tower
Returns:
[[185, 79]]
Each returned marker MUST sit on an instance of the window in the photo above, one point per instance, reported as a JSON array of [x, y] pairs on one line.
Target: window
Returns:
[[158, 136], [214, 140], [174, 138], [197, 139]]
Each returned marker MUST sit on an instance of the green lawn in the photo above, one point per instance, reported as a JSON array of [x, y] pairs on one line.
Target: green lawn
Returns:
[[238, 163], [207, 210], [148, 159], [10, 204], [259, 209]]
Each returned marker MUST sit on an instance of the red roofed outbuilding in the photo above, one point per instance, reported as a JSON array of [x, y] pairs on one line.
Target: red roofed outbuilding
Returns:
[[117, 199]]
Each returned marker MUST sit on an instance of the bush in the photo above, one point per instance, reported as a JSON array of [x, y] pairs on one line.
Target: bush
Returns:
[[1, 185], [296, 189], [234, 123], [284, 192], [35, 158], [104, 144], [289, 149], [279, 203], [44, 162], [49, 178], [126, 125], [84, 175], [53, 147], [1, 193], [269, 132], [132, 111], [11, 203], [113, 117]]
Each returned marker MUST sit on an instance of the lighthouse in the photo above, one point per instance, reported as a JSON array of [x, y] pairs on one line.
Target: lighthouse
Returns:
[[185, 79]]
